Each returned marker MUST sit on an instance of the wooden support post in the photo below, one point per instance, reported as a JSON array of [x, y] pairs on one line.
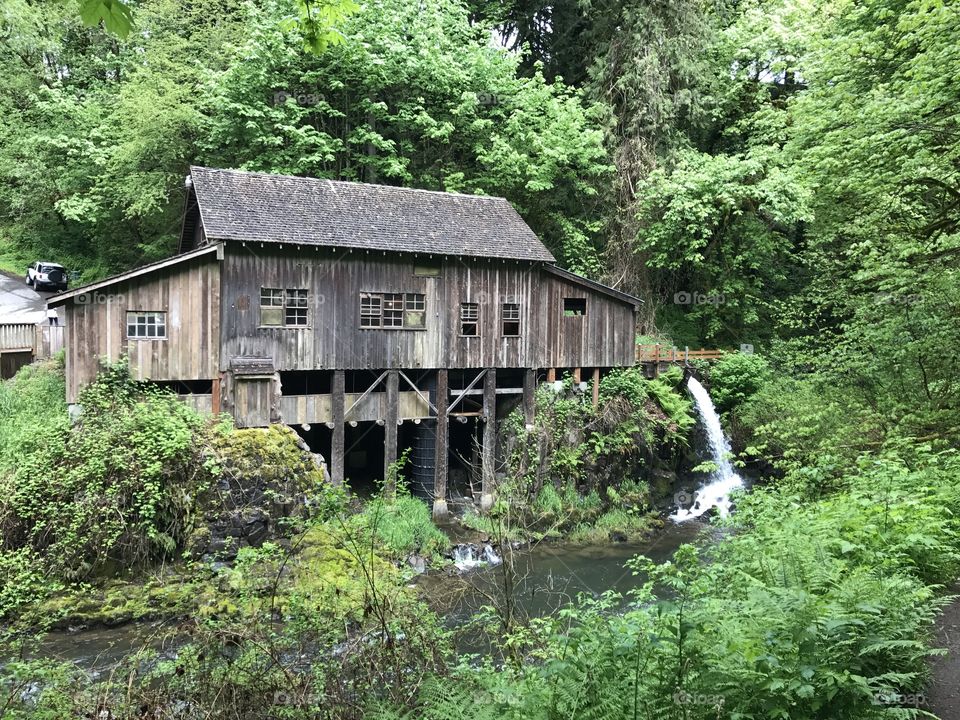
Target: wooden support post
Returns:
[[576, 376], [215, 396], [596, 388], [440, 511], [337, 446], [488, 469], [656, 362], [529, 396], [551, 375], [390, 428]]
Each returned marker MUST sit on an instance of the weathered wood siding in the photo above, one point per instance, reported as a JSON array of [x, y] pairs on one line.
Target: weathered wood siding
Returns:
[[333, 339], [190, 295]]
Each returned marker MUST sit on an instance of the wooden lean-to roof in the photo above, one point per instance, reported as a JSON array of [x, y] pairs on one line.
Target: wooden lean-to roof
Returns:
[[262, 207]]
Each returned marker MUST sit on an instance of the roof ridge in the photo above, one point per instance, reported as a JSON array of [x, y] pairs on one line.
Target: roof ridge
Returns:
[[261, 173]]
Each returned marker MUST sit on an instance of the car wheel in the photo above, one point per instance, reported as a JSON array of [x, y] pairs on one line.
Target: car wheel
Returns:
[[27, 279]]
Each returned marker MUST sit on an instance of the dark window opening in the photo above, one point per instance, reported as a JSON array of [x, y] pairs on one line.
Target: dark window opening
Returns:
[[305, 382], [186, 387], [510, 318], [574, 307], [470, 319]]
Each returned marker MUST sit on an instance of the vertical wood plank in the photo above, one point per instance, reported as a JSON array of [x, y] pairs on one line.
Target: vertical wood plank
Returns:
[[596, 387]]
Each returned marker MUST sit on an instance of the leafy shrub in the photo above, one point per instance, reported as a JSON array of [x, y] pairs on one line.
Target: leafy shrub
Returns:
[[735, 378], [119, 488]]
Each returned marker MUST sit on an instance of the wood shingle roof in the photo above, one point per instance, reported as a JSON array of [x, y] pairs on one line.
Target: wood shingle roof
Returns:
[[262, 207]]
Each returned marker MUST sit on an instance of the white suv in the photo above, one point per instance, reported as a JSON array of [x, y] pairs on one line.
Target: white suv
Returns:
[[46, 274]]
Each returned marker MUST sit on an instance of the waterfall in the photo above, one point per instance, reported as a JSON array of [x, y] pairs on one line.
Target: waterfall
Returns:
[[467, 557], [723, 479]]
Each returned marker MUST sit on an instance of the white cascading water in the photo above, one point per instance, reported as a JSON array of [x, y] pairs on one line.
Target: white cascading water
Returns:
[[723, 480], [467, 557]]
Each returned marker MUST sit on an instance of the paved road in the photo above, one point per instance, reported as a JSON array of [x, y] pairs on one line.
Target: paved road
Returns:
[[20, 303], [944, 693]]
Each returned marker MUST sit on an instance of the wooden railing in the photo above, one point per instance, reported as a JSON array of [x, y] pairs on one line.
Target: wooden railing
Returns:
[[665, 354]]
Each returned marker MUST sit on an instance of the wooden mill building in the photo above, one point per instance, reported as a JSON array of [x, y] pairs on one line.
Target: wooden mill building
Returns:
[[367, 317]]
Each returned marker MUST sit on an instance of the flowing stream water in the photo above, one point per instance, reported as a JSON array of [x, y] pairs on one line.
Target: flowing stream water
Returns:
[[549, 575]]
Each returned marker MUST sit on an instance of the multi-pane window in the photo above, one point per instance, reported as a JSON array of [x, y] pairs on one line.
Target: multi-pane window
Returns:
[[470, 319], [393, 310], [371, 310], [146, 325], [415, 310], [279, 307], [295, 311], [510, 319]]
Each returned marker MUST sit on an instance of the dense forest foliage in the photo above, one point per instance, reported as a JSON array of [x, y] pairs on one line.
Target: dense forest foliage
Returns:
[[772, 173]]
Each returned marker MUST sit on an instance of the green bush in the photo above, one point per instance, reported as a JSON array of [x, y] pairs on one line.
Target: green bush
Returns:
[[735, 378], [117, 489]]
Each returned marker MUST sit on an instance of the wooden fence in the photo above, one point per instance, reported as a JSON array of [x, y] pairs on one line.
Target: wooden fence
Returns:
[[22, 343]]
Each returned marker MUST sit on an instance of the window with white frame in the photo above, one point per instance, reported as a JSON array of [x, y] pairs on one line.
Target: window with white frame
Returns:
[[281, 307], [394, 311], [146, 325], [469, 319], [510, 319]]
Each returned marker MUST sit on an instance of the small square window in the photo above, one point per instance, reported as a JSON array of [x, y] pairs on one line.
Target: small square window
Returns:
[[279, 307], [510, 318], [469, 319], [146, 325], [574, 307]]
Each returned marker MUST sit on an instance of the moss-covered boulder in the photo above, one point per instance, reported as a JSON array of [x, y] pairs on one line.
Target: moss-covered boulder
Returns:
[[268, 482]]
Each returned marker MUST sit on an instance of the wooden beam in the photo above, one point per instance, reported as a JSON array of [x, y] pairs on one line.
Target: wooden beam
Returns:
[[576, 376], [469, 387], [367, 392], [337, 446], [488, 477], [440, 511], [596, 388], [529, 395], [551, 375], [390, 427], [417, 391]]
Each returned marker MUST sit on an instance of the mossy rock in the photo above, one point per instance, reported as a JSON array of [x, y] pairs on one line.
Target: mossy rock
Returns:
[[268, 483]]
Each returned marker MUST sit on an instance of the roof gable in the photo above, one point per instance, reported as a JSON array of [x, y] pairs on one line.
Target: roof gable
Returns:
[[263, 207]]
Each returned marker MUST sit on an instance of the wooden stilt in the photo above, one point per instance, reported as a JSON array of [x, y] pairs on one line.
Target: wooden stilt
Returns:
[[440, 511], [529, 395], [576, 376], [596, 387], [489, 439], [390, 426], [215, 396], [551, 375], [337, 446]]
